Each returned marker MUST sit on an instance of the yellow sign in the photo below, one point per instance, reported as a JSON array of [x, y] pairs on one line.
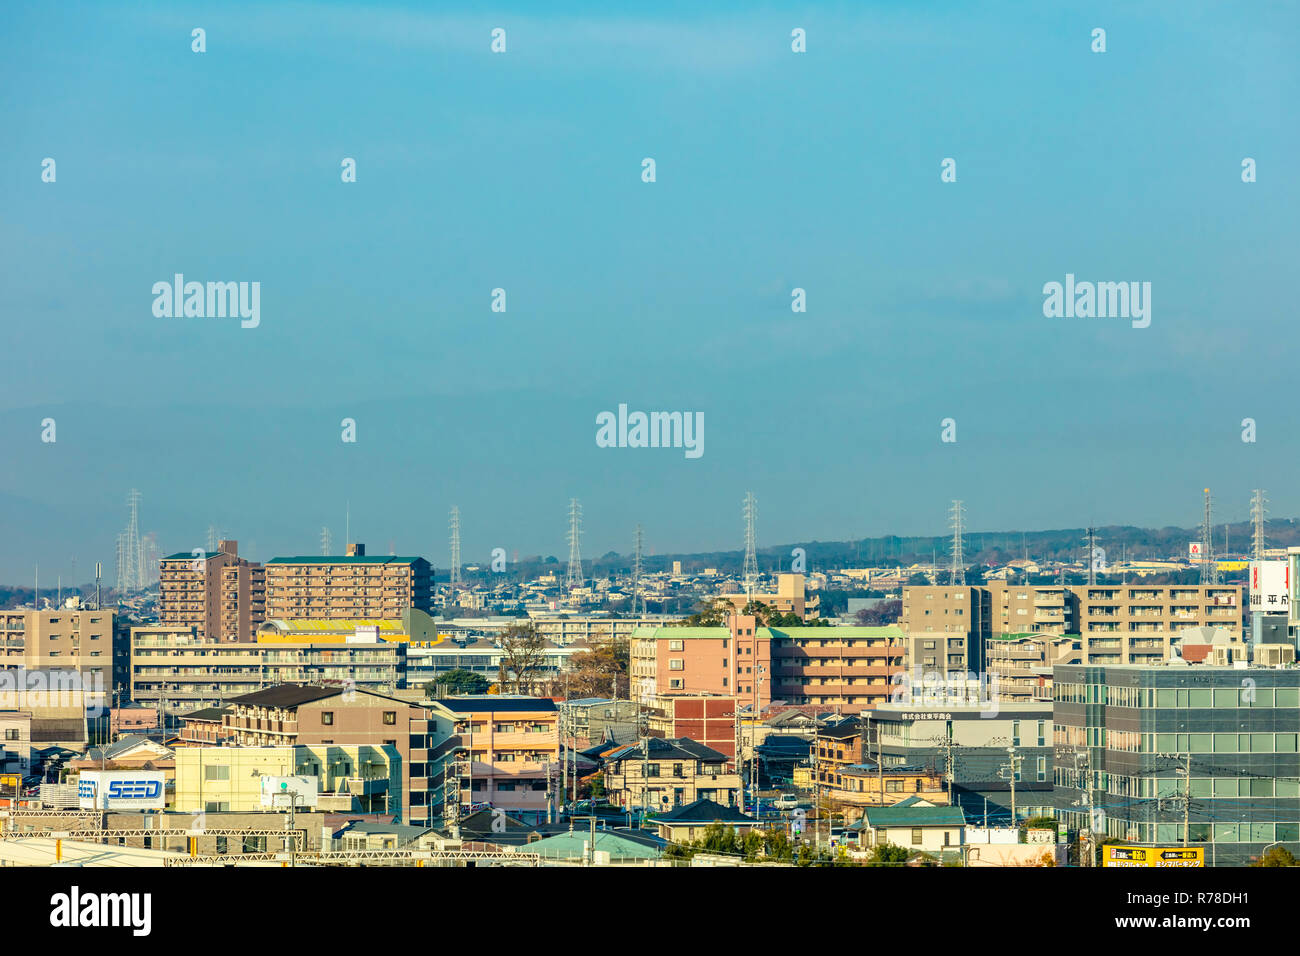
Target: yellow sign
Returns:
[[1153, 856], [9, 779]]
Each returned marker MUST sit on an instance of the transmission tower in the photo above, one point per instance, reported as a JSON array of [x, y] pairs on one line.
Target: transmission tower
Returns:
[[749, 573], [636, 572], [212, 538], [1257, 512], [955, 522], [1091, 540], [573, 574], [455, 547], [120, 587], [132, 553], [326, 542], [1209, 567]]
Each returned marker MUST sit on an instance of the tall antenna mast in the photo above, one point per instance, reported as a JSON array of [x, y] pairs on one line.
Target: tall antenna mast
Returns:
[[636, 572], [212, 537], [955, 522], [1209, 567], [1257, 512], [573, 574], [749, 573], [326, 542], [455, 546]]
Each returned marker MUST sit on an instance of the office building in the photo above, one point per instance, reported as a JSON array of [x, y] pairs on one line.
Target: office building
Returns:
[[1201, 755]]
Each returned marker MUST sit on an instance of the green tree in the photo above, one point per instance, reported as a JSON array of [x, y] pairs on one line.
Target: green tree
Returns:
[[1276, 856], [459, 681], [887, 854]]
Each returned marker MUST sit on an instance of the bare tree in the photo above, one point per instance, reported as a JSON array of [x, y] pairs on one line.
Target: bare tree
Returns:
[[521, 657]]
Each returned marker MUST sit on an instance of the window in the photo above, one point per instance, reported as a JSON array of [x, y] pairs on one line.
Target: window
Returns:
[[677, 645], [327, 718], [917, 837], [216, 773], [11, 733], [390, 716], [676, 664], [652, 770]]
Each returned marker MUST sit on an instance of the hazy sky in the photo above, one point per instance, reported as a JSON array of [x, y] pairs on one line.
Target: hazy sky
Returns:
[[522, 171]]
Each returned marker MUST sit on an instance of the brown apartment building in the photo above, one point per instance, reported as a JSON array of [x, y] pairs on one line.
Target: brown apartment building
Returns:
[[352, 586], [848, 668], [291, 715], [218, 593]]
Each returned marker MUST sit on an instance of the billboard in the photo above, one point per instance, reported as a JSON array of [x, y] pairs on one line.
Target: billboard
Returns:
[[1194, 552], [121, 790], [1270, 586], [1117, 855], [289, 792]]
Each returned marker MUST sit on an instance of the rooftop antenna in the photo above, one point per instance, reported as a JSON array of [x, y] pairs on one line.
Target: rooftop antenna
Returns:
[[1209, 567], [749, 573], [573, 574], [955, 522], [1257, 512], [455, 546], [639, 538], [99, 570]]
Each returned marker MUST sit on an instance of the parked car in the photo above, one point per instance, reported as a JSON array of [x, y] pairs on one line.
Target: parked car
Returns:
[[787, 801]]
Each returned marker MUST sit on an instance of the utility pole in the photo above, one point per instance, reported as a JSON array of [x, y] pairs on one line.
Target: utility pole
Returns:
[[1013, 768]]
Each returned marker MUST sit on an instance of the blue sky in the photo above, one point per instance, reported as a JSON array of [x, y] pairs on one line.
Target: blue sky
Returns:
[[522, 171]]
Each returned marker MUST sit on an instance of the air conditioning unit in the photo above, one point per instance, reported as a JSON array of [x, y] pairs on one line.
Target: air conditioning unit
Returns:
[[1274, 655]]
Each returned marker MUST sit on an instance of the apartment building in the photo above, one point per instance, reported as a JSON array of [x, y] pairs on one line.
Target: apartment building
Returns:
[[1130, 739], [845, 667], [662, 774], [61, 667], [324, 717], [351, 586], [708, 720], [951, 628], [218, 593], [498, 750], [588, 629], [790, 597], [176, 671], [1019, 666]]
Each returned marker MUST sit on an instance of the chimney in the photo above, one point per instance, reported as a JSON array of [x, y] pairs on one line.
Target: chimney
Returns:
[[356, 551]]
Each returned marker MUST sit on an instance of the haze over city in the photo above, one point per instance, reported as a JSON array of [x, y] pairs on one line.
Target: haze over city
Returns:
[[523, 172]]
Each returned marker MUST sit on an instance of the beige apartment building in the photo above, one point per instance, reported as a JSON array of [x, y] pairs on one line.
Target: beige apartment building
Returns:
[[176, 670], [218, 593], [790, 597], [956, 628], [353, 586], [308, 715], [75, 643]]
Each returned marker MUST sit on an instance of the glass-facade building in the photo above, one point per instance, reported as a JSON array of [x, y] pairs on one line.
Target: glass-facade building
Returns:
[[1128, 738]]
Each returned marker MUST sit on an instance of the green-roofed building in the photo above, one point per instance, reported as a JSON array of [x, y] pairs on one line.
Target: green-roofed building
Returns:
[[844, 668], [354, 586]]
